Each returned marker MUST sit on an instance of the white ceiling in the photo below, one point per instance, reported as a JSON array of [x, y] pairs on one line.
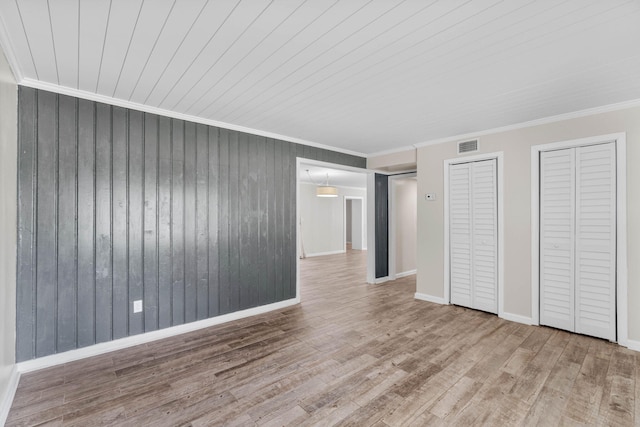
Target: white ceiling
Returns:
[[337, 177], [362, 75]]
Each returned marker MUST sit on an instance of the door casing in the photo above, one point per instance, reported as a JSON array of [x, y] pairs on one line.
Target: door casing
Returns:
[[621, 230], [498, 156]]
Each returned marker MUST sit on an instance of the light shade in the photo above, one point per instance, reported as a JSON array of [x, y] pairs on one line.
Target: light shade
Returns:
[[326, 191]]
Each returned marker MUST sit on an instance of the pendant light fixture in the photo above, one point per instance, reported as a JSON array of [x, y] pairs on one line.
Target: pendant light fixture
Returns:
[[325, 190]]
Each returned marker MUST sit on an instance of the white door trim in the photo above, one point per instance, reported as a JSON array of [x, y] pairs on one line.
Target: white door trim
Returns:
[[362, 220], [620, 140], [498, 156], [392, 221]]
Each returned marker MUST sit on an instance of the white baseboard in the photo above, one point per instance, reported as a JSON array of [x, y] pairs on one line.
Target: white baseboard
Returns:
[[106, 347], [10, 392], [633, 345], [325, 253], [430, 298], [382, 280], [517, 318], [405, 273]]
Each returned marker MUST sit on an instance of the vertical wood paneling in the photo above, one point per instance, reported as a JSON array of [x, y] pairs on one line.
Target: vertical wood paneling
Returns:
[[118, 205], [120, 238], [213, 249], [47, 208], [263, 195], [135, 195], [150, 225], [271, 226], [67, 224], [254, 220], [284, 219], [382, 225], [177, 222], [223, 225], [190, 268], [295, 151], [278, 223], [104, 296], [234, 223], [202, 228], [27, 208], [86, 213], [244, 225], [165, 244]]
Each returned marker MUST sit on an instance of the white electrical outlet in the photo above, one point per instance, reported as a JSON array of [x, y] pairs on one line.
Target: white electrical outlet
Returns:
[[137, 306]]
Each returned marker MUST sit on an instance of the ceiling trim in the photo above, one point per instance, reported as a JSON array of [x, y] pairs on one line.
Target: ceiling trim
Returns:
[[537, 122], [9, 52], [91, 96], [391, 151]]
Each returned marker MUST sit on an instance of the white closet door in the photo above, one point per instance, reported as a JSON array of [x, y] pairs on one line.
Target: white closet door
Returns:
[[460, 230], [596, 240], [473, 235], [485, 235], [557, 216], [578, 240]]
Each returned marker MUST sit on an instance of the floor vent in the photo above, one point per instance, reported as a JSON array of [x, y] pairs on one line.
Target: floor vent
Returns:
[[467, 146]]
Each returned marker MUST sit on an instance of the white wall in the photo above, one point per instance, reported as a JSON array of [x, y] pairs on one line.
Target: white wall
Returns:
[[405, 214], [322, 218], [516, 145], [349, 220], [8, 211], [357, 224]]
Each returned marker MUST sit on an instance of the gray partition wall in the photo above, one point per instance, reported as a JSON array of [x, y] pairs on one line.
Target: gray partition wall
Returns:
[[382, 225], [117, 205]]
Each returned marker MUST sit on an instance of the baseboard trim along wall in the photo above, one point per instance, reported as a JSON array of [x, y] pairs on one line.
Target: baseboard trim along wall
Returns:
[[517, 318], [106, 347], [405, 273], [429, 298], [7, 400], [633, 345], [325, 253]]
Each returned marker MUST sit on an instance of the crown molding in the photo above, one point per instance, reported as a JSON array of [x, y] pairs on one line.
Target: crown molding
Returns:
[[391, 151], [91, 96], [537, 122]]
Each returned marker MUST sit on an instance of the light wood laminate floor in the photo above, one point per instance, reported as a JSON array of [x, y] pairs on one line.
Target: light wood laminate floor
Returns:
[[350, 354]]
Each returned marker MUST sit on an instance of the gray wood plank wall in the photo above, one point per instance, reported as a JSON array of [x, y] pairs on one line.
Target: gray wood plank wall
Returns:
[[116, 205]]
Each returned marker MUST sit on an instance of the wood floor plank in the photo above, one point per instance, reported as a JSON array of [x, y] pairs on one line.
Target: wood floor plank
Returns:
[[349, 354]]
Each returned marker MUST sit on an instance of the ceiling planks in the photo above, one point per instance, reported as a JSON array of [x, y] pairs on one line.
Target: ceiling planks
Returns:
[[362, 75]]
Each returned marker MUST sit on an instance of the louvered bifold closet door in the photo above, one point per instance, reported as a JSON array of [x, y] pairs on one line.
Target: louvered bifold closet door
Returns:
[[557, 223], [473, 235], [485, 235], [596, 240], [460, 231]]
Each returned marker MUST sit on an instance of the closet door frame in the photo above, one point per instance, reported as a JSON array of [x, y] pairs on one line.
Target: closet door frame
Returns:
[[621, 229], [498, 157]]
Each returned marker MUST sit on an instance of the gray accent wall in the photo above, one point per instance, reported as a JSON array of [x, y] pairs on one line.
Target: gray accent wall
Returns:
[[382, 225], [117, 205]]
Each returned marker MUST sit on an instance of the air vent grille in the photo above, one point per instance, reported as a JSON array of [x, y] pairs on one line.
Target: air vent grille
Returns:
[[467, 146]]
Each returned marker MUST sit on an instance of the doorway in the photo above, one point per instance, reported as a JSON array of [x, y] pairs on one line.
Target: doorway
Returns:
[[354, 223], [321, 223], [403, 224], [579, 230], [473, 206]]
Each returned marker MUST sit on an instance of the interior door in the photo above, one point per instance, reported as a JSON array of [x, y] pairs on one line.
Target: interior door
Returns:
[[577, 239], [596, 241], [473, 238]]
